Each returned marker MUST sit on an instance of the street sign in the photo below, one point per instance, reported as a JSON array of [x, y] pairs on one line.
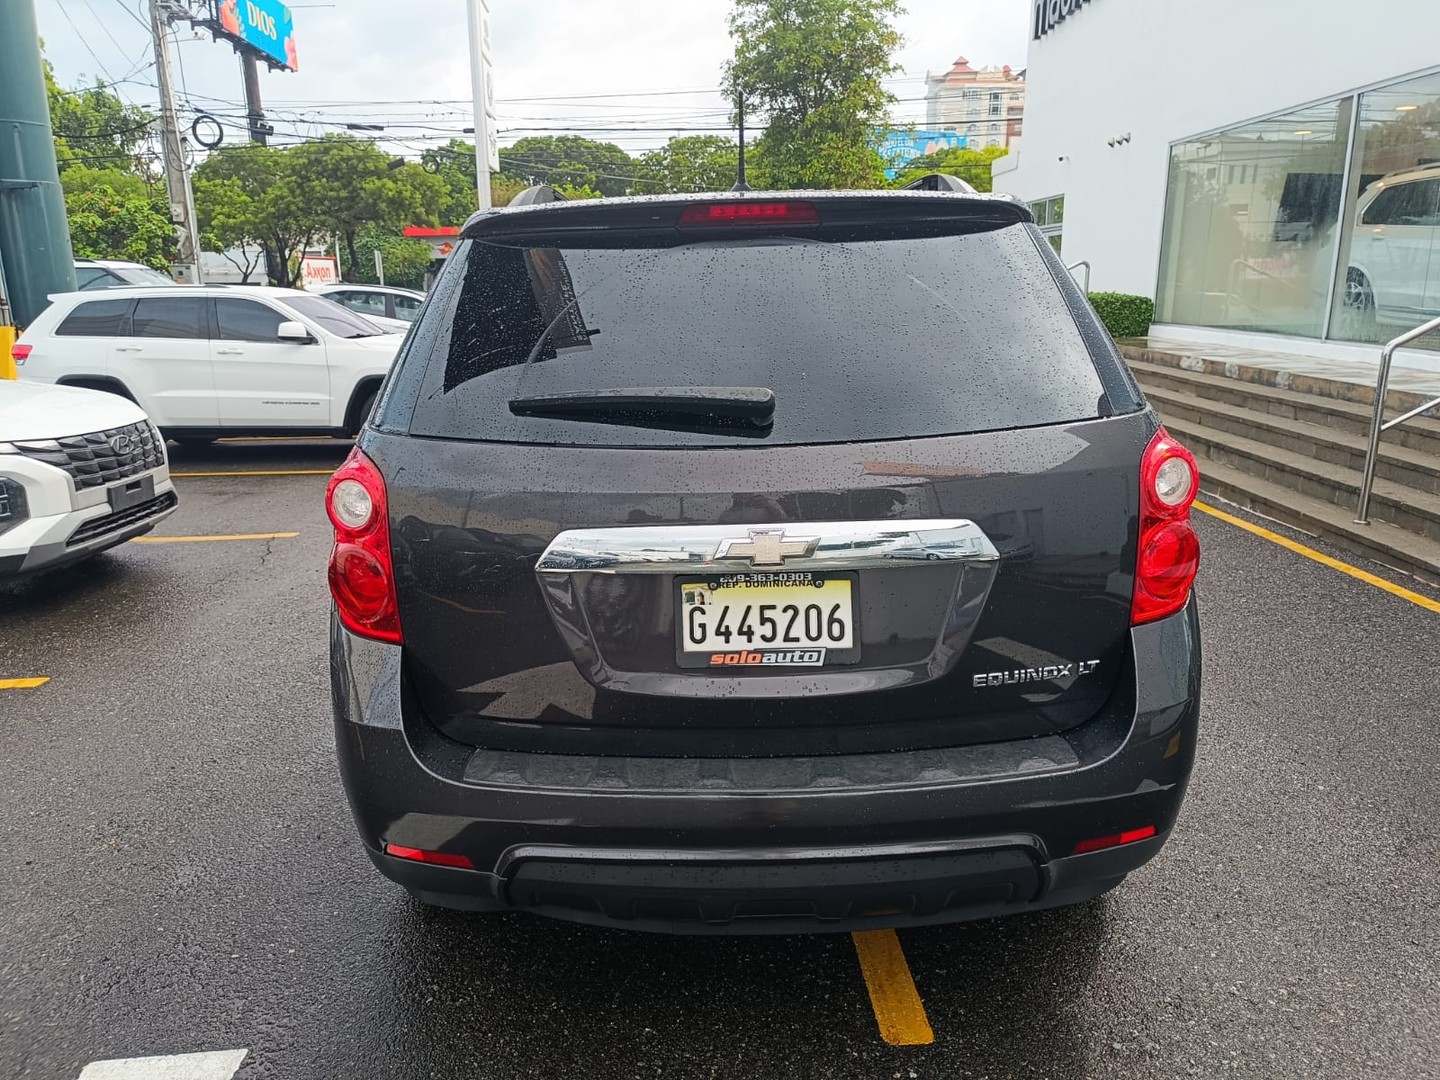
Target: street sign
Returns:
[[319, 270]]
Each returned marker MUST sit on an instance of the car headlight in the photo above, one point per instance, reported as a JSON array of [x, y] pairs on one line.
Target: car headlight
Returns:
[[13, 507]]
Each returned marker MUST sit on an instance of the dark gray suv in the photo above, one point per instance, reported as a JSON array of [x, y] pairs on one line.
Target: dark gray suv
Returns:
[[762, 562]]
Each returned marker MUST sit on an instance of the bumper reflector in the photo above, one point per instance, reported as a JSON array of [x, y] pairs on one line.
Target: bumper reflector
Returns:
[[1100, 843], [434, 858]]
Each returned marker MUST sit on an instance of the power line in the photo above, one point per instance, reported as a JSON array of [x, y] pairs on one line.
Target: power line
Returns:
[[94, 56], [138, 20]]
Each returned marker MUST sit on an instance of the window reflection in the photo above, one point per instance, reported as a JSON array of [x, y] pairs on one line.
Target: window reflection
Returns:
[[1251, 222], [1392, 258], [1262, 231]]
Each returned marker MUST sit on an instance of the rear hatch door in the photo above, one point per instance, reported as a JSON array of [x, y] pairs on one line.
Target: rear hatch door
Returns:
[[848, 480]]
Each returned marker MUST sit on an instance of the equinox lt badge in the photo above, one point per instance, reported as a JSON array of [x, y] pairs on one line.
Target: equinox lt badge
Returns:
[[1051, 673]]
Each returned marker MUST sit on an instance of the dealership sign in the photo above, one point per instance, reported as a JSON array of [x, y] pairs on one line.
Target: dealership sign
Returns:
[[1051, 13], [264, 25]]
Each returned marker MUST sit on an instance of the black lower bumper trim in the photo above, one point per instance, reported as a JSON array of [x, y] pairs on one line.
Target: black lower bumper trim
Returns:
[[778, 897], [822, 890]]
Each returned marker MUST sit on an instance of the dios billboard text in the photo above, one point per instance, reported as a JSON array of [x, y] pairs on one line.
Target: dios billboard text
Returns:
[[264, 25]]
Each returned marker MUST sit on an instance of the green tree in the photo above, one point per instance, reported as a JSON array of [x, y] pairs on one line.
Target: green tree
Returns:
[[79, 179], [228, 225], [250, 194], [94, 127], [577, 191], [972, 166], [814, 69], [453, 165], [572, 160], [347, 183], [106, 224], [405, 260], [115, 214], [690, 163]]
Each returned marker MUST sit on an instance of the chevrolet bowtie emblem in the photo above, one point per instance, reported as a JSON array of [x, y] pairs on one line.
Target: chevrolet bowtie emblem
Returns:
[[768, 547]]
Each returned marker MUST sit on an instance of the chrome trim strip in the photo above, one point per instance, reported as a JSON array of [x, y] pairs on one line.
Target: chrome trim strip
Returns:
[[799, 545]]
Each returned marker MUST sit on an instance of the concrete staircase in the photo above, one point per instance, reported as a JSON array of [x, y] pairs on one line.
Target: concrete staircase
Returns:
[[1291, 445]]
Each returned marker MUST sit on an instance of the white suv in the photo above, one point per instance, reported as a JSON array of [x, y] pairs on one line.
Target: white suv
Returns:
[[79, 472], [92, 274], [212, 360], [376, 301], [1394, 272]]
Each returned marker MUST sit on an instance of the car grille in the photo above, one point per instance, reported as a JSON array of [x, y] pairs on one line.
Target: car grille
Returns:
[[93, 461], [122, 519]]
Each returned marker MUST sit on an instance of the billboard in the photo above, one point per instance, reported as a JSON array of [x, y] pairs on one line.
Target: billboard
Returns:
[[901, 146], [264, 25]]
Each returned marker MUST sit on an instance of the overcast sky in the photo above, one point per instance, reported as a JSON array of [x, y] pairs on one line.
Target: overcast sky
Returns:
[[406, 64]]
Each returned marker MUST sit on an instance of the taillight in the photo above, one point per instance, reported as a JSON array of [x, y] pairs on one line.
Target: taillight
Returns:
[[790, 212], [362, 575], [433, 858], [1169, 551], [20, 353], [1104, 843]]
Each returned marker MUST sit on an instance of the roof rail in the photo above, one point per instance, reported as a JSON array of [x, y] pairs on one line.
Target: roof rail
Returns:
[[540, 193], [939, 181]]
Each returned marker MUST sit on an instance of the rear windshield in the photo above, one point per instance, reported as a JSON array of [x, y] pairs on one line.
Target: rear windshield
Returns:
[[860, 339]]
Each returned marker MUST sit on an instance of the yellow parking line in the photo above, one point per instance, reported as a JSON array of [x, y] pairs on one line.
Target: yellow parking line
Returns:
[[275, 438], [208, 539], [23, 684], [261, 472], [893, 996], [1325, 560]]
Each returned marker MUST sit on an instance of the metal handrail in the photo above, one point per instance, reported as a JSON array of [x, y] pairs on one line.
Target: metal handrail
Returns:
[[1379, 426], [1086, 264]]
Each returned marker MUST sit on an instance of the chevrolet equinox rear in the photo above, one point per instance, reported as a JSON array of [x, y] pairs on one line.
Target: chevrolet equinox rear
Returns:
[[762, 563]]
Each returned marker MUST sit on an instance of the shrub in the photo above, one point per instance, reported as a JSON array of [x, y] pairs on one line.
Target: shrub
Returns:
[[1124, 315]]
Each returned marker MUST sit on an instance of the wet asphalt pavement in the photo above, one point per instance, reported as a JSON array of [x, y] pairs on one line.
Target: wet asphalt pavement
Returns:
[[179, 872]]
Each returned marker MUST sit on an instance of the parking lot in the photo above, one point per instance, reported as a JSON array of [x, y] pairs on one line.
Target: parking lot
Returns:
[[180, 872]]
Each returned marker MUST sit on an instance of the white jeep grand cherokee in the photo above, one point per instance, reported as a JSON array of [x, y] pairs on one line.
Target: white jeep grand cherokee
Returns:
[[205, 361], [80, 471]]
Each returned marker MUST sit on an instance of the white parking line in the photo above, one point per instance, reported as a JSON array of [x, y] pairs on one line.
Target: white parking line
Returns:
[[219, 1065]]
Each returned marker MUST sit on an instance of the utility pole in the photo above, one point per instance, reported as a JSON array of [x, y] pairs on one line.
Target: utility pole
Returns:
[[740, 183], [487, 153], [177, 177], [34, 234], [254, 110]]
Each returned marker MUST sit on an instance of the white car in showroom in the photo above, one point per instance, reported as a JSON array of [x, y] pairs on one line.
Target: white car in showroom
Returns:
[[80, 472], [1394, 272], [207, 361]]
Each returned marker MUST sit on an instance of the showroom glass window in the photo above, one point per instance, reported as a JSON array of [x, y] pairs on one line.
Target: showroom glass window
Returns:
[[1252, 221], [1391, 251], [1267, 229]]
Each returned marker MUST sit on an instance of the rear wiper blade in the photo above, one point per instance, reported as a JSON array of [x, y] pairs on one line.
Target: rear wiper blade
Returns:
[[753, 405]]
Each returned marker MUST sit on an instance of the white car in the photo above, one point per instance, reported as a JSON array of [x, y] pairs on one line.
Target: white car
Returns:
[[80, 472], [212, 360], [1392, 277], [93, 274], [388, 302]]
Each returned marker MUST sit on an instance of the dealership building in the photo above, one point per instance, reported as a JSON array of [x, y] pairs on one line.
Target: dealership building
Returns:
[[1267, 170]]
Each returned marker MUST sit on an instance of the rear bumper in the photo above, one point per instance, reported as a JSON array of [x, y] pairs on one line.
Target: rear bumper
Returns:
[[984, 832]]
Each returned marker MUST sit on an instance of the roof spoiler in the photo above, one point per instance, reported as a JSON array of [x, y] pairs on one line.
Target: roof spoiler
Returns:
[[540, 193], [939, 181]]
